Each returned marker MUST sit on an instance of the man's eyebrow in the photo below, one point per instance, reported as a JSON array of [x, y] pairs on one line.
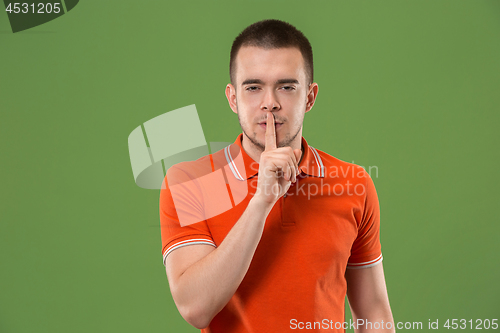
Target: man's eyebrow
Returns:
[[252, 81], [258, 81], [287, 81]]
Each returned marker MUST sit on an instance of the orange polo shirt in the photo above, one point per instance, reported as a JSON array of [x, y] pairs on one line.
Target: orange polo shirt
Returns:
[[327, 222]]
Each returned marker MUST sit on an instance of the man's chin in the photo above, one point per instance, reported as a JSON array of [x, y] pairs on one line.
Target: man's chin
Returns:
[[279, 144], [262, 144]]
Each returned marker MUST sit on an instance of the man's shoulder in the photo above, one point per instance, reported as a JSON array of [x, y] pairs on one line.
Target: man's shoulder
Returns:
[[189, 170], [337, 168]]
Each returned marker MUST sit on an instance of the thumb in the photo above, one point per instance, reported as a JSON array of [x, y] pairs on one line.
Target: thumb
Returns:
[[297, 153]]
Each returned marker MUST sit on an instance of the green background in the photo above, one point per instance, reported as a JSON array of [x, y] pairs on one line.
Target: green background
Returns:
[[411, 87]]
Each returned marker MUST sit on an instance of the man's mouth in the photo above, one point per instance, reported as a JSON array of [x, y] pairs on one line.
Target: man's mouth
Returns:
[[264, 125]]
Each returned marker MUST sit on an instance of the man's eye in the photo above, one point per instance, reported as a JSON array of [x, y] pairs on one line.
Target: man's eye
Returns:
[[252, 88], [288, 88]]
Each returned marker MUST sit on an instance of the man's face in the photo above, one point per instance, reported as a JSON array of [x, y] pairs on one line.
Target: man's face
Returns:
[[270, 80]]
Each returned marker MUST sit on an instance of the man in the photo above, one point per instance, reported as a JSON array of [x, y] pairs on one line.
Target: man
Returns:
[[282, 255]]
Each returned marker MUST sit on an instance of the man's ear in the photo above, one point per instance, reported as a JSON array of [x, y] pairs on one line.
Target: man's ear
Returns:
[[231, 97], [311, 96]]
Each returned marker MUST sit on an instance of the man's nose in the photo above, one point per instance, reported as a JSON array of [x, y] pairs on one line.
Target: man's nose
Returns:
[[270, 102]]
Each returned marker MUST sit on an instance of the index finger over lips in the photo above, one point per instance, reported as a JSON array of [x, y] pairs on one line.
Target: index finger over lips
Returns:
[[270, 133]]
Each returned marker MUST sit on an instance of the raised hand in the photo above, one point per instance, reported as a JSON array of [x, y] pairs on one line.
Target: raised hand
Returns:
[[278, 167]]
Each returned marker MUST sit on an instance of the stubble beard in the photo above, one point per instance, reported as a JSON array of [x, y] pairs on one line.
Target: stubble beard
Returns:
[[284, 143]]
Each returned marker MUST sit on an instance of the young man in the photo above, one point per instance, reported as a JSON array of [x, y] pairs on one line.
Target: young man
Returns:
[[302, 227]]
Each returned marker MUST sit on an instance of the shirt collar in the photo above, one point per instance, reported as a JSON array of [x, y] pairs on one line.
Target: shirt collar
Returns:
[[244, 167]]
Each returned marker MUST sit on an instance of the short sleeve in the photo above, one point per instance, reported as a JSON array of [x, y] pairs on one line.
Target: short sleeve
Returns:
[[181, 199], [366, 249]]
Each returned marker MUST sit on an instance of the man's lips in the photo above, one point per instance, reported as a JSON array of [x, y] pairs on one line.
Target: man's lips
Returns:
[[264, 125]]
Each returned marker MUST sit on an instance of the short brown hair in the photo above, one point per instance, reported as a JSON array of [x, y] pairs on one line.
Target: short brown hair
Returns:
[[273, 34]]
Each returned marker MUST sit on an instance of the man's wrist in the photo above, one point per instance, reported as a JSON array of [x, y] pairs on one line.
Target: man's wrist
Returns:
[[260, 204]]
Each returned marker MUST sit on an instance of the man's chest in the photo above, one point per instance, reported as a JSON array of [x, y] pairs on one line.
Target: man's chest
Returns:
[[318, 227]]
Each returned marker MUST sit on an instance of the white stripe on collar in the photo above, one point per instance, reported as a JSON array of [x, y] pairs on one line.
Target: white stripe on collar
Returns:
[[318, 161], [231, 163]]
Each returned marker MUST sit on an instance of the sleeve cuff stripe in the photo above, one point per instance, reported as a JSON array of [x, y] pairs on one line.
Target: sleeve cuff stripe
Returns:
[[187, 242], [366, 264]]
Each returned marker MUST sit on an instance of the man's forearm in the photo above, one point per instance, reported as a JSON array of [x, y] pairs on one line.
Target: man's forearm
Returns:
[[206, 286]]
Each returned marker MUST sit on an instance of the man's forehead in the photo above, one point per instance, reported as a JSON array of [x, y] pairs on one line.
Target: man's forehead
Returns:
[[254, 60]]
